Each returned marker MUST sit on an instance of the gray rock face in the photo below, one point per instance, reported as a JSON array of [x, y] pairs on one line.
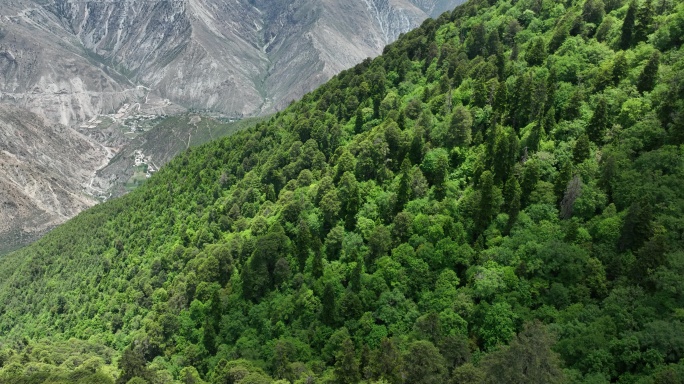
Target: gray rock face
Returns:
[[44, 173], [70, 59]]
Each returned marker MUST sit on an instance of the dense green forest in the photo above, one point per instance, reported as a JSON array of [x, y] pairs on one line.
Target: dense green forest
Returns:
[[498, 198]]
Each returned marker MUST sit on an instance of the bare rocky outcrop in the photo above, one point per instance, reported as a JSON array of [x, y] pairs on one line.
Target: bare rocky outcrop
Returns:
[[45, 170]]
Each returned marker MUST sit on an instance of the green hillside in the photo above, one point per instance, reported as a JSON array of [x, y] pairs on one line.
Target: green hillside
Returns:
[[499, 198]]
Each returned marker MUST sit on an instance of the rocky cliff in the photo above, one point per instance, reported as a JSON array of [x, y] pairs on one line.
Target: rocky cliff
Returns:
[[45, 172]]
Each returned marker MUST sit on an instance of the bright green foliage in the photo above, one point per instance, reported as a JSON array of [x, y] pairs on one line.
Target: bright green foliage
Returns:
[[401, 224]]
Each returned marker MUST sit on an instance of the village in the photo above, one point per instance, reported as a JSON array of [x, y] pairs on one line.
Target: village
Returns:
[[129, 118], [144, 162]]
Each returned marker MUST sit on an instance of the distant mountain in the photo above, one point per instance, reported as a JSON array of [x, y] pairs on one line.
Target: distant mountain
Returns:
[[69, 60], [45, 172]]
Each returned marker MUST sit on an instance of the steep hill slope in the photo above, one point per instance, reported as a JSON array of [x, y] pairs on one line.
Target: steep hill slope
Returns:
[[45, 171], [498, 198]]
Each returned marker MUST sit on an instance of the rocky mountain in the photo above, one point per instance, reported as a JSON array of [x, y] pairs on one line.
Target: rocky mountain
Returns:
[[45, 171], [69, 60]]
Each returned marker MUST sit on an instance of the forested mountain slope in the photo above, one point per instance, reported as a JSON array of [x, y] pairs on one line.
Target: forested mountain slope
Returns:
[[498, 198]]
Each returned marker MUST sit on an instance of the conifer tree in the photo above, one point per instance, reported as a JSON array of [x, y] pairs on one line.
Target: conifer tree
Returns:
[[536, 52], [581, 150], [386, 362], [512, 194], [627, 36], [329, 310], [529, 181], [649, 75], [620, 67], [637, 227], [599, 122], [302, 243], [486, 208], [317, 266], [404, 191], [562, 180], [461, 126], [346, 364], [358, 122], [644, 20]]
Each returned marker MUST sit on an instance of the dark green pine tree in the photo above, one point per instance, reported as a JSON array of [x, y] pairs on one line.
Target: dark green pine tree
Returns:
[[529, 181], [562, 180], [644, 21], [476, 41], [512, 194], [346, 364], [302, 244], [581, 151], [550, 119], [572, 108], [416, 148], [536, 52], [317, 266], [636, 227], [501, 99], [209, 337], [461, 127], [649, 75], [329, 310], [358, 122], [355, 280], [404, 191], [535, 137], [386, 363], [599, 122], [133, 364], [505, 155], [627, 36], [620, 67], [486, 208]]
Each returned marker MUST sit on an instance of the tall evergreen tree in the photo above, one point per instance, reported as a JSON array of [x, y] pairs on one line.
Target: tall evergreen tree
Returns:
[[644, 21], [649, 75], [512, 195], [599, 122], [317, 265], [620, 67], [486, 208], [329, 301], [528, 359], [346, 364], [404, 191], [637, 227], [582, 150], [627, 36], [536, 52], [562, 180], [386, 363], [530, 178], [461, 126]]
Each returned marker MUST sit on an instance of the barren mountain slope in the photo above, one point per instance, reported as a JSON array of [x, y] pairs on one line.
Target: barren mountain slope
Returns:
[[44, 172], [69, 59]]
